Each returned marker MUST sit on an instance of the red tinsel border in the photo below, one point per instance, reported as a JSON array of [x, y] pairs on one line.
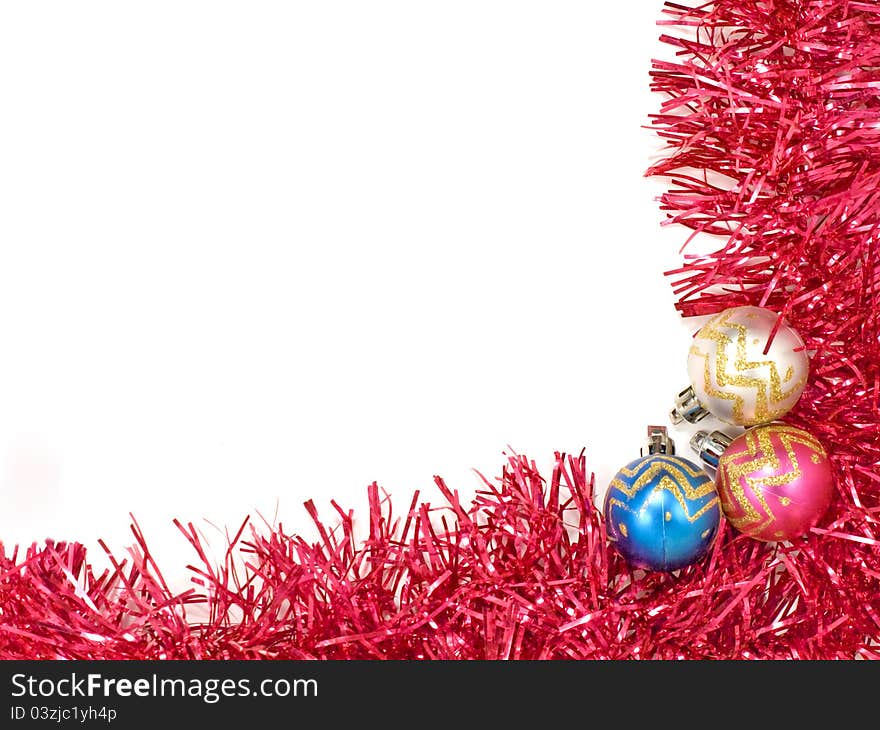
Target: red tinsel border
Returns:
[[772, 121]]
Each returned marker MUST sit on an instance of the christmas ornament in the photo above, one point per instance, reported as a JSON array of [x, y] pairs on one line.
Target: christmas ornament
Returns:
[[737, 376], [661, 511], [774, 481]]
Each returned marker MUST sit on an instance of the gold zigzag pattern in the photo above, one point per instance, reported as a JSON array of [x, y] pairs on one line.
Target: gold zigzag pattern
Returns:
[[674, 481], [763, 410], [675, 464], [762, 455]]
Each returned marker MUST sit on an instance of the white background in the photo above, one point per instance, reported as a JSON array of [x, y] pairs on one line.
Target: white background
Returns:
[[256, 253]]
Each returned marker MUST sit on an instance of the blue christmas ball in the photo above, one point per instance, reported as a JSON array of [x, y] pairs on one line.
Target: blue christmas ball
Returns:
[[662, 512]]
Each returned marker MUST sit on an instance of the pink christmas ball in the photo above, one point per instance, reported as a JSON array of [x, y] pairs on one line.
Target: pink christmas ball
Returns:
[[775, 482]]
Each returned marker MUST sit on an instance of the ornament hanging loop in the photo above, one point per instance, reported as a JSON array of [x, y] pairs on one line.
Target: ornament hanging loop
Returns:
[[687, 408], [710, 446], [659, 442]]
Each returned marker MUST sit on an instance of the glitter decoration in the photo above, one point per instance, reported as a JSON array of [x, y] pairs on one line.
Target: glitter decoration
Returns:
[[740, 374], [775, 482], [661, 512]]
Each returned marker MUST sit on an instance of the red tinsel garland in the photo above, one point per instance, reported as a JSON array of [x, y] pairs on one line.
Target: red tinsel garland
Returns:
[[773, 126]]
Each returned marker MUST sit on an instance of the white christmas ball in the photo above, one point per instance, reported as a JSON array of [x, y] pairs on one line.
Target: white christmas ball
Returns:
[[732, 376]]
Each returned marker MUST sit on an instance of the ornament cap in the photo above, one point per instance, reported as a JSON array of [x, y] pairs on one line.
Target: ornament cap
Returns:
[[687, 408], [710, 446], [659, 442]]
